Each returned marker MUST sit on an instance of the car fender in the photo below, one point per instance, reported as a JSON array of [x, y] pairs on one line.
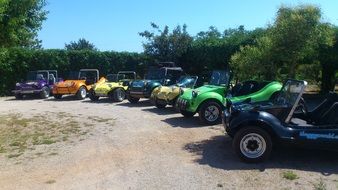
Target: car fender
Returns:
[[261, 119], [201, 98]]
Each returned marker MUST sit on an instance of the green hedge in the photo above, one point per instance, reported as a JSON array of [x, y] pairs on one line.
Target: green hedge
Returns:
[[16, 62]]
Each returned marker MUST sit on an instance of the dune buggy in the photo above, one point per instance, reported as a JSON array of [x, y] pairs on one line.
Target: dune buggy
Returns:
[[164, 74], [257, 127], [209, 100], [79, 86], [114, 88], [39, 82]]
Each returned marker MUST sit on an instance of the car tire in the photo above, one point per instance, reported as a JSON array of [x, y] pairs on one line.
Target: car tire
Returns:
[[18, 96], [159, 105], [81, 93], [45, 92], [133, 100], [119, 95], [57, 96], [210, 113], [92, 95], [187, 114], [252, 144]]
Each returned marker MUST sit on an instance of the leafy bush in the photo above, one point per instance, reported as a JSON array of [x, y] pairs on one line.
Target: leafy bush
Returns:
[[16, 62]]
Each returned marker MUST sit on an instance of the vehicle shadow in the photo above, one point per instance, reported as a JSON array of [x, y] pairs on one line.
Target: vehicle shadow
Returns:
[[141, 103], [165, 111], [100, 101], [64, 98], [183, 122], [26, 98], [217, 152]]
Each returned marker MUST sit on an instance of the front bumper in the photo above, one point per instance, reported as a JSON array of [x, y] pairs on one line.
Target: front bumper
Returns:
[[30, 91], [182, 104], [139, 94], [226, 120], [64, 90]]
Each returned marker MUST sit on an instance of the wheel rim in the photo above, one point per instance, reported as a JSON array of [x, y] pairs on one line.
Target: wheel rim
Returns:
[[121, 94], [211, 113], [253, 145], [83, 93]]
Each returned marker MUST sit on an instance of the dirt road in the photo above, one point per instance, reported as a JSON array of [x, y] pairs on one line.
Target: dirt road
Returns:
[[148, 148]]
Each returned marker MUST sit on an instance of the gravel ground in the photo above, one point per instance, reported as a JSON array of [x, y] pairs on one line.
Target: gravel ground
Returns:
[[148, 148]]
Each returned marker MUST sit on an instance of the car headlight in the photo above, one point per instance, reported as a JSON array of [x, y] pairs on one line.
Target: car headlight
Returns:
[[194, 94], [17, 84], [181, 91]]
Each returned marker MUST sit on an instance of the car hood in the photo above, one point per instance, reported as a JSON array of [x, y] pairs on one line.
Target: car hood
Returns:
[[30, 83], [142, 83], [201, 90], [107, 85]]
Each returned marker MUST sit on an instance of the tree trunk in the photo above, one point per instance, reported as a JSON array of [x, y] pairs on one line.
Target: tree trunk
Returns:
[[328, 78]]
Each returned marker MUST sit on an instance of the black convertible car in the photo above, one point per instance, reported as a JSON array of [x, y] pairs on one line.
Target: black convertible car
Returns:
[[255, 128]]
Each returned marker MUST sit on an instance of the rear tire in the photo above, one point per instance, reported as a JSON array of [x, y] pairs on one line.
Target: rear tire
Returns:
[[81, 93], [252, 144], [57, 96], [210, 113], [92, 95], [45, 92], [133, 100], [119, 95], [18, 96], [187, 114]]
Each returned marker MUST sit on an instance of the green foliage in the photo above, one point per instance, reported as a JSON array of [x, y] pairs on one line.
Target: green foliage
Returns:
[[296, 45], [290, 175], [20, 21], [81, 44], [164, 45], [16, 62]]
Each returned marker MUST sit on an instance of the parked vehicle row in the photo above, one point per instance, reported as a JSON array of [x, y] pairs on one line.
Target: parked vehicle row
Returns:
[[257, 114]]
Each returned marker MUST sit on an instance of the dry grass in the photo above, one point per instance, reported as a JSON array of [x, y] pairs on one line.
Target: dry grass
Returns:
[[18, 134]]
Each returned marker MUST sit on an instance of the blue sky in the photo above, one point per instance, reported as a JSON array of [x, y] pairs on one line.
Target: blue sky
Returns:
[[114, 24]]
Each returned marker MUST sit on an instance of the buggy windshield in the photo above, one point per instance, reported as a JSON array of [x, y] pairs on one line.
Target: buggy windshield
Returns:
[[187, 82], [290, 93], [220, 78], [115, 77], [37, 75]]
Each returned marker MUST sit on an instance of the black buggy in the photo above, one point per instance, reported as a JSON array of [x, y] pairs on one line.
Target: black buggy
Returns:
[[256, 128]]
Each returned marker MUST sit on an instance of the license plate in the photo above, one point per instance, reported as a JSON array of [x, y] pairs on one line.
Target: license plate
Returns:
[[27, 92]]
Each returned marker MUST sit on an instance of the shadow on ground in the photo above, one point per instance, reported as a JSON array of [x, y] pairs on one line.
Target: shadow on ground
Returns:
[[165, 111], [141, 103], [99, 101], [183, 122], [64, 98], [217, 152]]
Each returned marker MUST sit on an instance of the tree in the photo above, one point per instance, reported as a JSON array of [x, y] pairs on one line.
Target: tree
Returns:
[[328, 58], [295, 38], [81, 44], [20, 21], [295, 35], [163, 45]]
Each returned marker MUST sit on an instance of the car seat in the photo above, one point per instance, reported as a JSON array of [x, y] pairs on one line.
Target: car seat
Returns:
[[316, 115], [330, 117], [52, 79], [40, 77]]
